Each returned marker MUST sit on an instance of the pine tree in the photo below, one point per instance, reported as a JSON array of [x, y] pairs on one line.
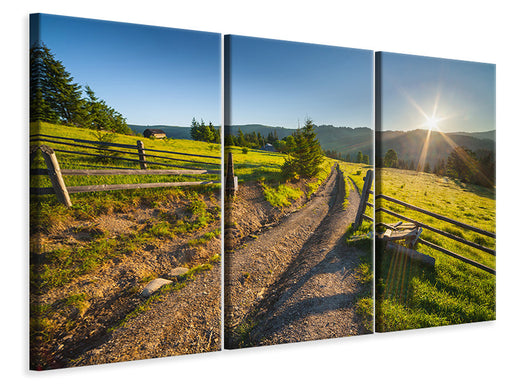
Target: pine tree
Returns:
[[391, 159], [307, 156], [54, 97], [194, 130]]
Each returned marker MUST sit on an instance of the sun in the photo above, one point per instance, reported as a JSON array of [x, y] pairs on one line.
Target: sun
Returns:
[[432, 123]]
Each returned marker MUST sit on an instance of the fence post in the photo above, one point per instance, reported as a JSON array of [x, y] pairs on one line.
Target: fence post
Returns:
[[33, 153], [55, 175], [364, 198], [231, 179], [142, 155]]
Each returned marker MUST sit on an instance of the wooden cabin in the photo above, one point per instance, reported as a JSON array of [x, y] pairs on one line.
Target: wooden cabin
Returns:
[[155, 134]]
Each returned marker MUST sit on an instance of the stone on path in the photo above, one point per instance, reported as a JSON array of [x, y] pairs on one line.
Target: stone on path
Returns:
[[153, 286], [178, 271]]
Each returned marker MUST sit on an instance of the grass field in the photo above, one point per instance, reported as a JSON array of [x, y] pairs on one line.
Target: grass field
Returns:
[[411, 295], [75, 161], [265, 167], [47, 215]]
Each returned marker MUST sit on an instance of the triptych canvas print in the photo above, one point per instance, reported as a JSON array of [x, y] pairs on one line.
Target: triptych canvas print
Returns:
[[341, 192]]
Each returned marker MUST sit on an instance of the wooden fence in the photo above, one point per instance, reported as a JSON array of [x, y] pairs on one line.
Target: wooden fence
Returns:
[[417, 224], [365, 194], [62, 192], [439, 231]]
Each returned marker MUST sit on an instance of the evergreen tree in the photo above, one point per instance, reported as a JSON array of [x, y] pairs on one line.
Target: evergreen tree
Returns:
[[194, 130], [391, 159], [307, 156], [228, 141], [55, 98], [462, 164], [440, 168], [100, 116], [241, 139]]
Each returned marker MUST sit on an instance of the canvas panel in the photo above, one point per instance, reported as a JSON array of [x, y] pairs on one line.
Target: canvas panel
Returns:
[[298, 144], [125, 208], [436, 192]]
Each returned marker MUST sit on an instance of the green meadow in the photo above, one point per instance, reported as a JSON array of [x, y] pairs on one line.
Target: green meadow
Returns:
[[77, 161], [201, 206], [264, 167], [413, 295]]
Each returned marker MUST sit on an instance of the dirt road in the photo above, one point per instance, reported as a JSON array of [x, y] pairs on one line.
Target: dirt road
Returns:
[[296, 281]]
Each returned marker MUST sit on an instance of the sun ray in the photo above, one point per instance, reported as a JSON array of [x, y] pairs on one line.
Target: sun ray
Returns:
[[424, 152]]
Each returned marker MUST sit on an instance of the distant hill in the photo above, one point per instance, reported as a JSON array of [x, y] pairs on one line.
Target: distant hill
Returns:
[[409, 144], [490, 135], [346, 140], [341, 139]]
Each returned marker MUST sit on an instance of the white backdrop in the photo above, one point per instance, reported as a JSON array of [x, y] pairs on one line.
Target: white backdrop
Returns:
[[467, 30]]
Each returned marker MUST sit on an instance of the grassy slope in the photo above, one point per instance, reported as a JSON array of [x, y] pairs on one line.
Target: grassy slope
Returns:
[[46, 213], [412, 296], [72, 161], [265, 167]]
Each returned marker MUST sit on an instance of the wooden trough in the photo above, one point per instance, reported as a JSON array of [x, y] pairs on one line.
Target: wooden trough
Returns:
[[408, 234]]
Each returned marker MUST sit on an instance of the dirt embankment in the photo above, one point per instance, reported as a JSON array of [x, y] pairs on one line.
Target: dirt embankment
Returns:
[[295, 280], [187, 320]]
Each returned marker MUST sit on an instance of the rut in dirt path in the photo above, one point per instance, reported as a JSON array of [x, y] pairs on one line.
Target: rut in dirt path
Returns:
[[316, 296], [264, 270]]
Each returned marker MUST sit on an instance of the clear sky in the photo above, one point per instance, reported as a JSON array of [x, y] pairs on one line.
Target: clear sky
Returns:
[[279, 82], [412, 87], [151, 75]]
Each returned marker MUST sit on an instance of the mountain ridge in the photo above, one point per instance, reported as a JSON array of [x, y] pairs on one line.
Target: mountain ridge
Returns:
[[347, 140]]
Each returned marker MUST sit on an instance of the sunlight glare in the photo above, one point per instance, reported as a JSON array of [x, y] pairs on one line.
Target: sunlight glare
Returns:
[[431, 123]]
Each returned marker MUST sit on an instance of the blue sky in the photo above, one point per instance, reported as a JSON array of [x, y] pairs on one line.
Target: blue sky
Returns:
[[279, 82], [151, 75], [465, 93]]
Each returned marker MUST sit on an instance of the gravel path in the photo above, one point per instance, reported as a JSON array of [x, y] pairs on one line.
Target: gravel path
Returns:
[[296, 281]]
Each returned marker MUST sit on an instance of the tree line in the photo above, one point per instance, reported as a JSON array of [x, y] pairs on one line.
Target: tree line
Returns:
[[359, 158], [473, 167], [254, 140], [203, 132], [56, 98]]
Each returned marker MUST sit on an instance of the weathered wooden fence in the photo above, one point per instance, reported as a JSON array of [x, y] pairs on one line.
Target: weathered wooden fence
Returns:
[[365, 194], [438, 231], [415, 227], [231, 179], [62, 192]]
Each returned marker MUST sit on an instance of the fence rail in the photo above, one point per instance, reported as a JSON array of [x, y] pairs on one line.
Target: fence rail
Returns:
[[62, 192], [107, 147]]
